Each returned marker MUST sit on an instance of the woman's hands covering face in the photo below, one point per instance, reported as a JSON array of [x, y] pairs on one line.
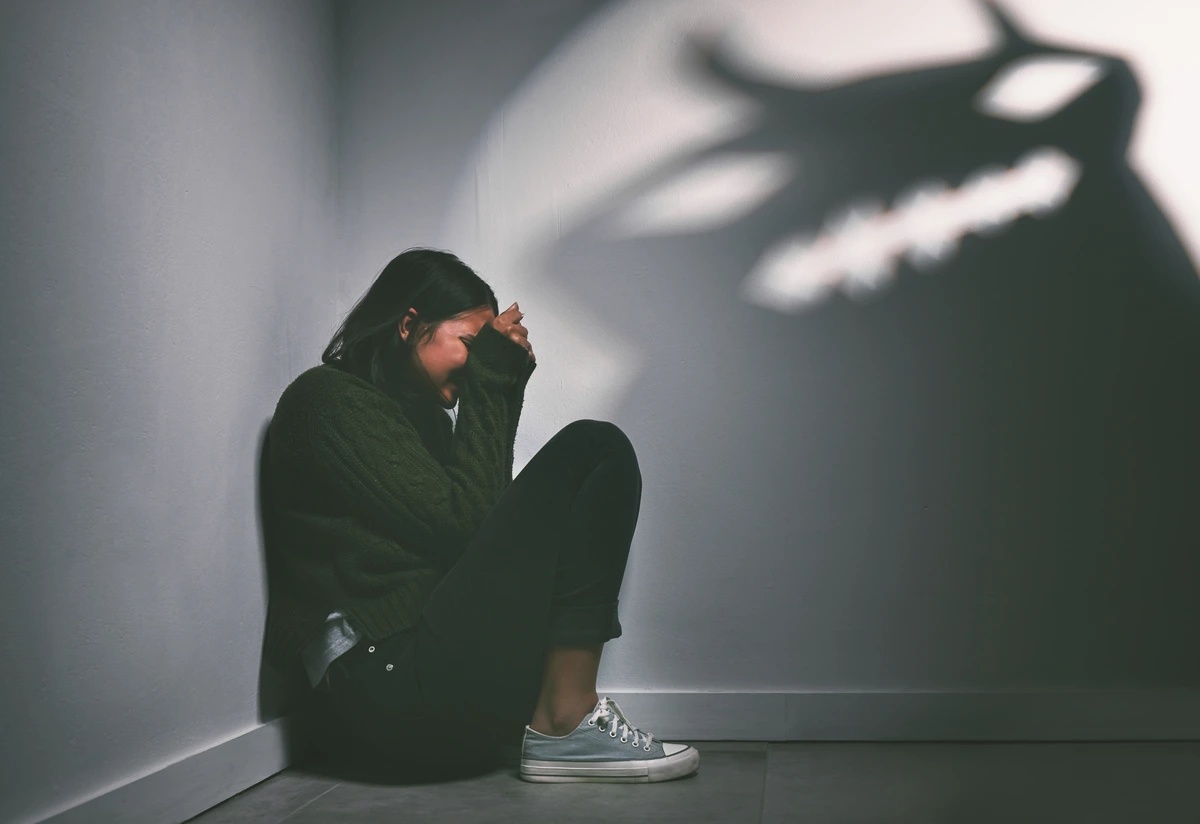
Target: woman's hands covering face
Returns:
[[508, 323]]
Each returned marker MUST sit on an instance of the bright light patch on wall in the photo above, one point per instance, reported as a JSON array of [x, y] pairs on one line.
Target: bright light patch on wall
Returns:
[[1034, 88], [715, 193], [858, 250]]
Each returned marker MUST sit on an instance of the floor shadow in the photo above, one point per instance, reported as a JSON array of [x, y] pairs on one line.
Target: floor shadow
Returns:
[[425, 751], [357, 768]]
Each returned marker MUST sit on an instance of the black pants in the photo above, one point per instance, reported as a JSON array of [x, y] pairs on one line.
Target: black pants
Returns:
[[544, 569]]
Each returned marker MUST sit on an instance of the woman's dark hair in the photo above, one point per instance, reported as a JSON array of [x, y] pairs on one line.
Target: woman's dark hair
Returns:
[[434, 283]]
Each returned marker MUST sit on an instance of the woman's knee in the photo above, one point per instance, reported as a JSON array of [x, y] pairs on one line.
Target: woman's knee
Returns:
[[607, 435], [603, 442]]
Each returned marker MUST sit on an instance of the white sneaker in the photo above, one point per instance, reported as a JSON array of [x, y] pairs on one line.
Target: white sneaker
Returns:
[[605, 747]]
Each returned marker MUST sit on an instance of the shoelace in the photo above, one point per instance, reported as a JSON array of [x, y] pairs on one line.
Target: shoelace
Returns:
[[610, 712]]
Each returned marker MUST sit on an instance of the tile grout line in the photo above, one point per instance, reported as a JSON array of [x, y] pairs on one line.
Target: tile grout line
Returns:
[[762, 797], [310, 801]]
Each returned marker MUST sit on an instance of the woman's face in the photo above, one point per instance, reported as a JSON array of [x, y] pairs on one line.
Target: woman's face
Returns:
[[444, 354]]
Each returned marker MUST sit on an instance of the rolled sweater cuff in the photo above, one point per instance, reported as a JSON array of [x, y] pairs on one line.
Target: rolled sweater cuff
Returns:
[[497, 359], [291, 624], [398, 610]]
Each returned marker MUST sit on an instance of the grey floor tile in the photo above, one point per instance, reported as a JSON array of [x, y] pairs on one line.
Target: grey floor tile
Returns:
[[969, 783], [726, 790], [268, 801]]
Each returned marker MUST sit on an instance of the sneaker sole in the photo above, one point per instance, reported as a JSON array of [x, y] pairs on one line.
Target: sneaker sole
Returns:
[[682, 763]]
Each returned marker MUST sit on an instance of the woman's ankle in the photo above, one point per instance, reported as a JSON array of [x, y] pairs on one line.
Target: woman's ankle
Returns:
[[563, 718], [546, 728]]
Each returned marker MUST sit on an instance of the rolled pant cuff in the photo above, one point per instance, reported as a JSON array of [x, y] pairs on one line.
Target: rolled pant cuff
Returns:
[[581, 626]]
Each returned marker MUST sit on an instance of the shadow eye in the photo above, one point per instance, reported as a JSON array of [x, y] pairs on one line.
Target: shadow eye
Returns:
[[1033, 88]]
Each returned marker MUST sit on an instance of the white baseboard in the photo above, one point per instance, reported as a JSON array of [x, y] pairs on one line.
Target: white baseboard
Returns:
[[1094, 715], [196, 783]]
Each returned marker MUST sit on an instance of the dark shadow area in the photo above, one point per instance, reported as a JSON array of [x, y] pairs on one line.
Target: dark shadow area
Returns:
[[460, 62], [402, 748], [345, 760], [277, 693], [281, 693], [1024, 413]]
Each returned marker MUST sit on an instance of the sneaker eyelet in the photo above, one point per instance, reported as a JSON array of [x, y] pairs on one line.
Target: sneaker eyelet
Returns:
[[626, 741], [591, 723], [646, 748], [612, 734]]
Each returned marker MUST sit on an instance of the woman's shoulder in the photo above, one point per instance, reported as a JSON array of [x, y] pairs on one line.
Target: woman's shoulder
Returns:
[[324, 375], [326, 386]]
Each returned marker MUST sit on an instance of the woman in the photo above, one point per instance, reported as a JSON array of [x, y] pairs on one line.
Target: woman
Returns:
[[441, 603]]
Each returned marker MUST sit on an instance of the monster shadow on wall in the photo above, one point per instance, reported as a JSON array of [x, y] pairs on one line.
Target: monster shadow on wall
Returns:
[[1019, 397]]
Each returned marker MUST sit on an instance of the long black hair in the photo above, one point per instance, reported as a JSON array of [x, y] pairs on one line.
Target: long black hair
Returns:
[[434, 283]]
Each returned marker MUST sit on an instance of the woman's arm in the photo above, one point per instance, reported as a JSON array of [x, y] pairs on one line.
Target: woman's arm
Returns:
[[373, 455], [517, 396]]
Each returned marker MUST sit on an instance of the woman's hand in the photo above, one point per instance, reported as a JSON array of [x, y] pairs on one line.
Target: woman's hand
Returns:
[[508, 323]]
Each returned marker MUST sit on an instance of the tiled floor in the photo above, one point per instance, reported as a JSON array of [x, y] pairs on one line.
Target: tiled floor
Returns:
[[773, 783]]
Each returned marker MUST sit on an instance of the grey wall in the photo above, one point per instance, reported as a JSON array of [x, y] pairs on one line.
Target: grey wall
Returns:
[[178, 248], [169, 209], [418, 86]]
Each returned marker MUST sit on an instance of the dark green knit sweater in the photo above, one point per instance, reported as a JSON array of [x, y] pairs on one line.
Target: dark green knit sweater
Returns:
[[370, 498]]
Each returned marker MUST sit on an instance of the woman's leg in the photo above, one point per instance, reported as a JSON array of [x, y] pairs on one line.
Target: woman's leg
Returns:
[[541, 575], [568, 690]]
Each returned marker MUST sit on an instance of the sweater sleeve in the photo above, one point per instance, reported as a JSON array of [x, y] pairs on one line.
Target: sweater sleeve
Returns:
[[517, 399], [374, 456]]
